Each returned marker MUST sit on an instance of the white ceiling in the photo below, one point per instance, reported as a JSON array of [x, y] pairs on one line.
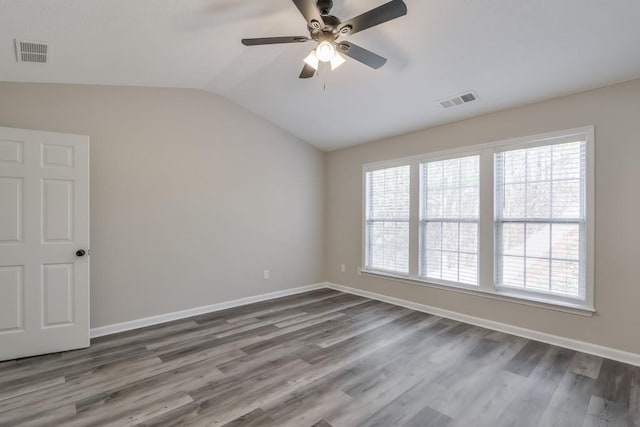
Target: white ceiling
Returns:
[[511, 52]]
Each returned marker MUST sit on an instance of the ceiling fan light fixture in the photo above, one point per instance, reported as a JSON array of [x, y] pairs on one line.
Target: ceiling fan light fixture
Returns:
[[325, 51], [336, 61], [312, 60], [325, 29]]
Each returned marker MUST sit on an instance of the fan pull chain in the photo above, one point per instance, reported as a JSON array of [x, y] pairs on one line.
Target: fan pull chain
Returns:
[[324, 80]]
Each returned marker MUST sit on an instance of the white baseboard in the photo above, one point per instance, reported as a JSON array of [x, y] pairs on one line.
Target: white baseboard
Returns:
[[168, 317], [581, 346]]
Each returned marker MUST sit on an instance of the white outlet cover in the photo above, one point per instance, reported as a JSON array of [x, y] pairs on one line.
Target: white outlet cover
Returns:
[[266, 274]]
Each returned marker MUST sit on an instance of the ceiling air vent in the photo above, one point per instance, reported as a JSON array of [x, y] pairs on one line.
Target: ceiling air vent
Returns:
[[461, 99], [31, 51]]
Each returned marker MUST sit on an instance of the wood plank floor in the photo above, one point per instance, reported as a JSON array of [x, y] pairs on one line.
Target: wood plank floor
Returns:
[[321, 358]]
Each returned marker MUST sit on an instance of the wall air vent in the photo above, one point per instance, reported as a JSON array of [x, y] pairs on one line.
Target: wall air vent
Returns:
[[31, 51], [461, 99]]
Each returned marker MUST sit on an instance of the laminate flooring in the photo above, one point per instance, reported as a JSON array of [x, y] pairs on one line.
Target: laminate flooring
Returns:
[[321, 358]]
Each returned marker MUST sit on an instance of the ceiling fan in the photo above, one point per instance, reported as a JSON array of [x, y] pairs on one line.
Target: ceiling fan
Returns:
[[326, 30]]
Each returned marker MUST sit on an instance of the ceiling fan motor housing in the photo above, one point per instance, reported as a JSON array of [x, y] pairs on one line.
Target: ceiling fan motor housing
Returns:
[[324, 6], [328, 22], [327, 30]]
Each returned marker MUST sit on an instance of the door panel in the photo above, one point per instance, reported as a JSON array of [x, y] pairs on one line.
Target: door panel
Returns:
[[57, 210], [44, 220], [57, 294], [57, 156], [11, 151], [11, 291], [11, 210]]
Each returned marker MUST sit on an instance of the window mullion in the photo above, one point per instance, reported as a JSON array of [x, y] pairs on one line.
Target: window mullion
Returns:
[[414, 219], [486, 251]]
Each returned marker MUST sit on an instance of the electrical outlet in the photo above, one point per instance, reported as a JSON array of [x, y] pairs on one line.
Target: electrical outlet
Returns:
[[359, 271], [266, 275], [343, 268]]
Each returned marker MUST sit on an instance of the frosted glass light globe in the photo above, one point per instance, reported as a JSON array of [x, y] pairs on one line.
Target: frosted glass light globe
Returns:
[[325, 51], [312, 60]]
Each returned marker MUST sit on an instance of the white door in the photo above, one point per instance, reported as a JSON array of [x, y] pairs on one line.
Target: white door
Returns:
[[44, 227]]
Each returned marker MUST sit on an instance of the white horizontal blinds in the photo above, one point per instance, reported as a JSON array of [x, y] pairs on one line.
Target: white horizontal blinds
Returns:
[[540, 219], [387, 219], [449, 220]]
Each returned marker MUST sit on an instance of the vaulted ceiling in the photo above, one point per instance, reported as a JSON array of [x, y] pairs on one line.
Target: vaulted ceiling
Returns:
[[510, 52]]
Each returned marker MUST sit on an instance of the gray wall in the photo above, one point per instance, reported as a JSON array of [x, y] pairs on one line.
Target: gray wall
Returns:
[[615, 112], [192, 197]]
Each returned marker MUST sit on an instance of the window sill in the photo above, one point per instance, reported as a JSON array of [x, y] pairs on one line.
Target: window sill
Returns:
[[500, 295]]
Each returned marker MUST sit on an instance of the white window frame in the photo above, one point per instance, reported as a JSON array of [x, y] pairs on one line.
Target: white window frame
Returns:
[[487, 230], [422, 221], [365, 220]]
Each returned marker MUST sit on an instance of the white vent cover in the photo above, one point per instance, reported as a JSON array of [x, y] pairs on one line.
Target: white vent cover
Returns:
[[31, 51], [460, 99]]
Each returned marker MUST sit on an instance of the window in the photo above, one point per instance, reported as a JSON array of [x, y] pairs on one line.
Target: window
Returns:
[[387, 219], [540, 218], [449, 221], [513, 219]]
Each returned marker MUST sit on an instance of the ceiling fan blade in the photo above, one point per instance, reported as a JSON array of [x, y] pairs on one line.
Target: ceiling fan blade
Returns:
[[275, 40], [307, 71], [361, 54], [310, 11], [386, 12]]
